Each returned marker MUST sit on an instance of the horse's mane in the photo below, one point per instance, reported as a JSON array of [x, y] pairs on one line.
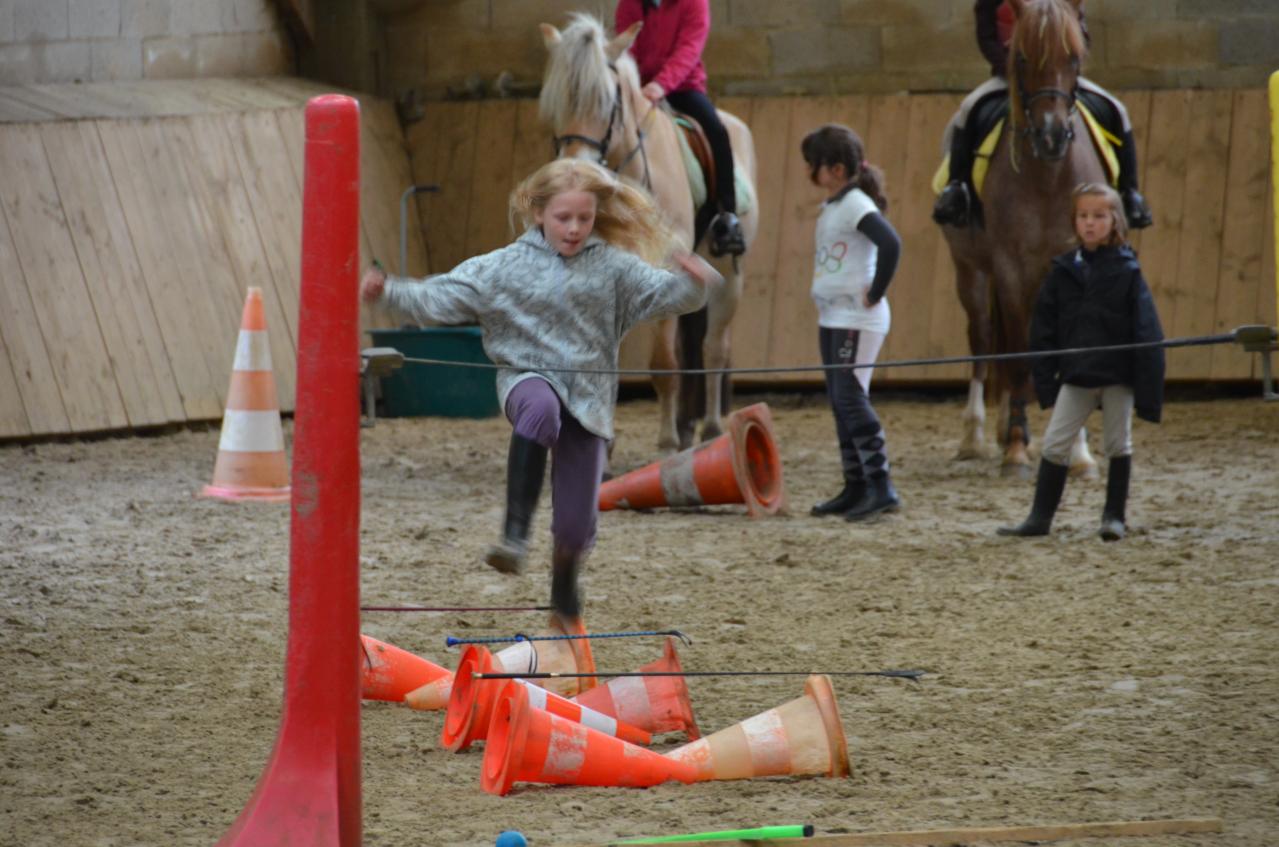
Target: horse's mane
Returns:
[[1047, 34], [578, 84]]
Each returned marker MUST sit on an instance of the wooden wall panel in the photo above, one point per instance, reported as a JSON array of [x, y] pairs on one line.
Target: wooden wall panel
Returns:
[[105, 253], [889, 124], [55, 283]]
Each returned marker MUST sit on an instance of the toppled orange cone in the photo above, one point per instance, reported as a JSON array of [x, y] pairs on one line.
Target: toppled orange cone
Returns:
[[654, 703], [251, 464], [804, 736], [527, 744], [471, 705], [389, 673], [558, 656], [741, 466]]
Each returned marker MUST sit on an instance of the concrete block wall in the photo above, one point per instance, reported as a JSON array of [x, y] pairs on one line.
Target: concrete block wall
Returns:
[[434, 47], [48, 41]]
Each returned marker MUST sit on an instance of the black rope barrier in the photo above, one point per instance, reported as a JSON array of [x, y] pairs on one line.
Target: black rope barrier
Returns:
[[1240, 335]]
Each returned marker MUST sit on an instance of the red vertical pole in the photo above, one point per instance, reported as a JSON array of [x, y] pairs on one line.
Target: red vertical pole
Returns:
[[309, 793]]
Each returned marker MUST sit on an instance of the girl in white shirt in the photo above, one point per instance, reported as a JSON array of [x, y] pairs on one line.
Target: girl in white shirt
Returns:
[[857, 253]]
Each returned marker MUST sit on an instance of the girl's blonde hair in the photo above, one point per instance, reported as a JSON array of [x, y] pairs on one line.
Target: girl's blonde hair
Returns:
[[625, 216], [1118, 221]]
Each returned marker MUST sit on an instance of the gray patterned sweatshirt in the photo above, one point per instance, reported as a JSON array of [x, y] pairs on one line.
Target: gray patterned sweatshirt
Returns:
[[539, 309]]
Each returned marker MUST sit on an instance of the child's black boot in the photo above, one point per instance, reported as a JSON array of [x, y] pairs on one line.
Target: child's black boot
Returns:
[[1113, 525], [1048, 490], [880, 496], [566, 599], [525, 470], [854, 491]]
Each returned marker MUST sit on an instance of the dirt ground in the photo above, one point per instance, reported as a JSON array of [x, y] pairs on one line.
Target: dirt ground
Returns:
[[1073, 681]]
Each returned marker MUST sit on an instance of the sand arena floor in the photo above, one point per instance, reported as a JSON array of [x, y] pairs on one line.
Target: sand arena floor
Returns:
[[143, 634]]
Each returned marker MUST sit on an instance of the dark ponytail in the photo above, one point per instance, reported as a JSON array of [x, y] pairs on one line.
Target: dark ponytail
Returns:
[[835, 144]]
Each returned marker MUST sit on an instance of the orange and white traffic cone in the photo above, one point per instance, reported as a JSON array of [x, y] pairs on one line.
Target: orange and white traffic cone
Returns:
[[527, 744], [389, 672], [804, 736], [471, 705], [652, 703], [550, 656], [251, 464], [741, 466]]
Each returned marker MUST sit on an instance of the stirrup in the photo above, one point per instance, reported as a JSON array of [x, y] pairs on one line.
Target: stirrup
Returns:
[[726, 238]]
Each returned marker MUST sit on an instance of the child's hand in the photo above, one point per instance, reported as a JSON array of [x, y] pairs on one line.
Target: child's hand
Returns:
[[698, 268], [373, 284], [653, 92]]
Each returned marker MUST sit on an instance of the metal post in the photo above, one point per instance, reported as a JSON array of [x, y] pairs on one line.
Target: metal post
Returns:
[[404, 221]]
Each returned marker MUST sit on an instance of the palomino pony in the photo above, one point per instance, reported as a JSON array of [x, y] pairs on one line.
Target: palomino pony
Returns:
[[1044, 152], [591, 98]]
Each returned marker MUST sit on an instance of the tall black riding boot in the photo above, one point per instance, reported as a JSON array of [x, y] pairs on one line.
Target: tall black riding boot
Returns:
[[1135, 208], [525, 470], [954, 205], [880, 496], [1113, 523], [566, 598], [1048, 490], [854, 491]]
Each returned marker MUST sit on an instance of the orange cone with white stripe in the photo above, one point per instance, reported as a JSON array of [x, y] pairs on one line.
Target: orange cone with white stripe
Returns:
[[527, 744], [388, 672], [471, 705], [653, 703], [741, 466], [251, 464], [548, 656], [804, 736]]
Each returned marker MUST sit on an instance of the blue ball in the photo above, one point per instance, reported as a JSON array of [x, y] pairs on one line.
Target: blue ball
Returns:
[[511, 838]]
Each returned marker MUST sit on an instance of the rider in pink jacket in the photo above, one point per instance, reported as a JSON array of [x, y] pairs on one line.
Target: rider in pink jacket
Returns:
[[668, 51]]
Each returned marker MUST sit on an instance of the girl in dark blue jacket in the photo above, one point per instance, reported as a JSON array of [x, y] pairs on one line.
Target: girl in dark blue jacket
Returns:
[[1094, 296]]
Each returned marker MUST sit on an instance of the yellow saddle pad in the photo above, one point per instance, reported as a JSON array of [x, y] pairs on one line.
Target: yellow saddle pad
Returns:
[[1103, 141]]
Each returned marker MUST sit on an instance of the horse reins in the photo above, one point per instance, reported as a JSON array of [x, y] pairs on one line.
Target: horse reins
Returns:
[[1071, 97]]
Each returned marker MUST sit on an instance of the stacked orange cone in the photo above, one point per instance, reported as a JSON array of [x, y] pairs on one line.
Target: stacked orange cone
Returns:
[[471, 705], [251, 464], [527, 744], [741, 466], [654, 703], [804, 736], [389, 673]]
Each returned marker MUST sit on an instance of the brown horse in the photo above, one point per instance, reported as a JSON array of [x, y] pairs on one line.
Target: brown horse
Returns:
[[1044, 152], [591, 98]]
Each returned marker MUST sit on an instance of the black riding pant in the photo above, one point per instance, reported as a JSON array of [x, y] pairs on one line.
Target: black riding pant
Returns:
[[863, 452], [698, 106]]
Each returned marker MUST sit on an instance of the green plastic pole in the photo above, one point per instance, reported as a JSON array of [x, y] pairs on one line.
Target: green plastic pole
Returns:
[[762, 832]]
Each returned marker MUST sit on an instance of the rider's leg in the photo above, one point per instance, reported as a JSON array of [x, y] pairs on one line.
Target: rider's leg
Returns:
[[1116, 121], [725, 230], [534, 411], [954, 204]]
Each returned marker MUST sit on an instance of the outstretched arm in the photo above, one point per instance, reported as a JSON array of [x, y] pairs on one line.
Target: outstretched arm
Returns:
[[448, 298]]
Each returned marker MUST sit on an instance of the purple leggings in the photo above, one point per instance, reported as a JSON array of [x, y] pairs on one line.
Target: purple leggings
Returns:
[[577, 461]]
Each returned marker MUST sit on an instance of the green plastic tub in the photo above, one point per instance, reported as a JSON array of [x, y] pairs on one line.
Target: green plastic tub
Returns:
[[417, 390]]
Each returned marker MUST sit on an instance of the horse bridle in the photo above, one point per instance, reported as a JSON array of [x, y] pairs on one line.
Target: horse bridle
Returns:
[[1072, 101], [602, 145]]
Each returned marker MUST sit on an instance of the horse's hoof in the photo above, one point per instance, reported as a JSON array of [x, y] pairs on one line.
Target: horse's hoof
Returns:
[[1084, 471], [968, 452], [1015, 470]]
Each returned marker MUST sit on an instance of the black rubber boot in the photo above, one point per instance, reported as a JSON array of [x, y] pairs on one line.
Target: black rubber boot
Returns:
[[525, 470], [880, 497], [566, 598], [1113, 522], [1048, 490], [954, 205], [1135, 208], [726, 235], [854, 491]]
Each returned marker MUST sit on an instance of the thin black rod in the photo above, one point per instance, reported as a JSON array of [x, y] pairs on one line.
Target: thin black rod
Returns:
[[456, 608], [912, 675]]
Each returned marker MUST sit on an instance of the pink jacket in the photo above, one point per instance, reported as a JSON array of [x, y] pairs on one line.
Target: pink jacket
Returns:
[[669, 47]]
